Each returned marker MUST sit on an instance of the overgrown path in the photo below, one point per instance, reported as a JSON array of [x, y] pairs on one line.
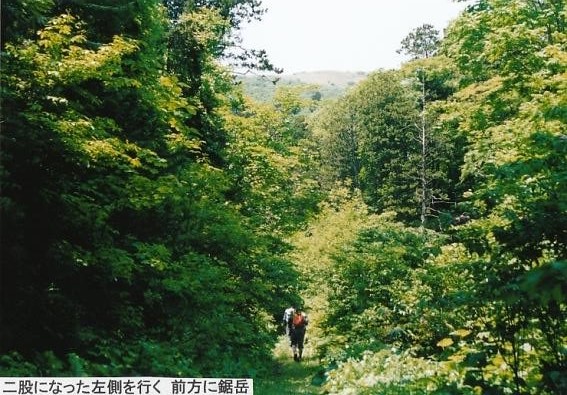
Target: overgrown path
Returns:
[[312, 253], [290, 377]]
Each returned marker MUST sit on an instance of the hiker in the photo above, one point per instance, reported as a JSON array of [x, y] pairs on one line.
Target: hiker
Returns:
[[287, 320], [299, 324]]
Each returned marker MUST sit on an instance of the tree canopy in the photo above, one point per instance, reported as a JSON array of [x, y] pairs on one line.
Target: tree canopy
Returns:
[[125, 249], [157, 221]]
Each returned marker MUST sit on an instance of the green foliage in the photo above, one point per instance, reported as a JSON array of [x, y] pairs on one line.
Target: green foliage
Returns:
[[371, 305], [439, 73], [469, 306], [272, 163], [391, 136], [372, 137], [119, 236], [395, 372], [422, 42], [332, 129], [385, 111], [362, 135], [515, 162], [154, 222]]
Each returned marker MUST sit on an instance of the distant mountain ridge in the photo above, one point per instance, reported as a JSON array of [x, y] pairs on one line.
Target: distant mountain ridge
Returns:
[[332, 84], [327, 77]]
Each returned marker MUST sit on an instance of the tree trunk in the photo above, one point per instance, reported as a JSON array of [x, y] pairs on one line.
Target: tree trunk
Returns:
[[423, 141]]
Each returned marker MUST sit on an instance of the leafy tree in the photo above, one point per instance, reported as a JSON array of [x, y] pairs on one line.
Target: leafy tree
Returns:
[[375, 121], [491, 324], [369, 137], [235, 13], [422, 42], [335, 130], [511, 111], [403, 156], [119, 237], [272, 164]]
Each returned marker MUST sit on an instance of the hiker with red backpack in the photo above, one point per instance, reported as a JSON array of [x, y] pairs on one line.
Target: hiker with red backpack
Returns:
[[298, 325]]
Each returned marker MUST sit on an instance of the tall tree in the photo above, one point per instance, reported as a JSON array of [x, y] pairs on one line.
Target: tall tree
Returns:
[[421, 44], [382, 111]]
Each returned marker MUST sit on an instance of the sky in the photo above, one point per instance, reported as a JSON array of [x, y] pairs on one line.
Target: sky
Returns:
[[354, 35]]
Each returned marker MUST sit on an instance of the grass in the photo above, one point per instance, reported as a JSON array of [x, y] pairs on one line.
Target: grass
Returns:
[[290, 377]]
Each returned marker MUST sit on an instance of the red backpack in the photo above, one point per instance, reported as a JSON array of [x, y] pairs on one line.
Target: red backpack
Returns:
[[298, 320]]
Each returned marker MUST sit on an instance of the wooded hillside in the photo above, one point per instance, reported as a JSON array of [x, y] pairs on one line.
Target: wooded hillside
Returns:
[[156, 220]]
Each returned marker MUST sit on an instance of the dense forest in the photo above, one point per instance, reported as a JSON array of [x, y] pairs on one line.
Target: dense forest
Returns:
[[156, 220]]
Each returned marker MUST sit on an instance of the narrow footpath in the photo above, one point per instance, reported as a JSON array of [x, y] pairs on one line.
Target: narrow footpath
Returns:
[[290, 377], [312, 257]]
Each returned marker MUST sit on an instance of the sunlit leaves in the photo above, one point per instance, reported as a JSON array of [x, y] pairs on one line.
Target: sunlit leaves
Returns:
[[61, 55], [106, 179], [446, 342], [271, 162], [461, 333], [489, 318], [517, 158], [394, 372]]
